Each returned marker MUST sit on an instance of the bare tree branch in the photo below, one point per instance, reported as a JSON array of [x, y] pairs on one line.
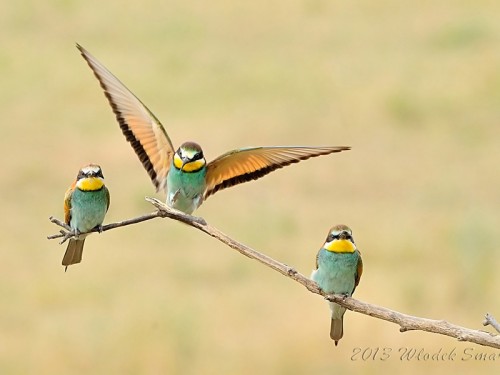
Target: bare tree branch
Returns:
[[406, 322], [489, 320], [67, 233]]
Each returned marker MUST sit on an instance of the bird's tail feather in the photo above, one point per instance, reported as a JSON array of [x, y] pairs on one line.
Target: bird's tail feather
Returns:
[[336, 330], [73, 252]]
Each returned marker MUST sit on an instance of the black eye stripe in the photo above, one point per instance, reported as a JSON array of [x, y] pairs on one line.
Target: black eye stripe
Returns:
[[82, 174], [197, 156], [332, 237]]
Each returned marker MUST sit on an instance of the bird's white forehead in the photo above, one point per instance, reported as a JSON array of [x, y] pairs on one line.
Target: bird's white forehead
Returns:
[[91, 169], [337, 232], [188, 153]]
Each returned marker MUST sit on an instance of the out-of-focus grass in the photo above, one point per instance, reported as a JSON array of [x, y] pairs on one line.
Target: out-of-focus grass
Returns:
[[414, 88]]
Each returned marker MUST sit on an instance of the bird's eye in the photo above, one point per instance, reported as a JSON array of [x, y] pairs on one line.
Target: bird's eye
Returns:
[[332, 237]]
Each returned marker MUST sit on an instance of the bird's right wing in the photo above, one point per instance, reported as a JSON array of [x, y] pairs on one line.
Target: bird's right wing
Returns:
[[67, 203]]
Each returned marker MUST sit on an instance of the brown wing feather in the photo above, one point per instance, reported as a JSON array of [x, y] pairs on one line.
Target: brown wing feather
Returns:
[[108, 199], [67, 203], [359, 271], [141, 128], [238, 166]]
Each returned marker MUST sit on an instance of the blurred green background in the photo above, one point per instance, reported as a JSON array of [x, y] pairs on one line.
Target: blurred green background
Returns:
[[413, 87]]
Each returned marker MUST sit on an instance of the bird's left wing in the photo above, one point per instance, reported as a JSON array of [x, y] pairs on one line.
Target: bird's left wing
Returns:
[[238, 166], [359, 271], [141, 128], [108, 198]]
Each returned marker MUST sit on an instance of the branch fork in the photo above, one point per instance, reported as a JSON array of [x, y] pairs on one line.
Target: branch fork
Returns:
[[489, 320]]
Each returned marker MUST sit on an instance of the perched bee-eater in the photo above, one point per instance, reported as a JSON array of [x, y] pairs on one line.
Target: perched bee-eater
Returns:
[[85, 205], [185, 175], [338, 270]]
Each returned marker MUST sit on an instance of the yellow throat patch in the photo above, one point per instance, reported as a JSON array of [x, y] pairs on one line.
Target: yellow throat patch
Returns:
[[90, 183], [192, 166], [340, 246]]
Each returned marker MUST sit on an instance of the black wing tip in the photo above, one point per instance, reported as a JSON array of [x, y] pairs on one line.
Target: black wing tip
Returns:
[[327, 149], [82, 50], [322, 151], [332, 149]]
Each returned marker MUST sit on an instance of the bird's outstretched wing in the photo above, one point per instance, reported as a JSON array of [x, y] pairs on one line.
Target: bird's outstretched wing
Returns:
[[238, 166], [141, 128]]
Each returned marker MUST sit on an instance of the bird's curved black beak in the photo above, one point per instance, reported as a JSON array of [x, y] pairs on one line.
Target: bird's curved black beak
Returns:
[[184, 162]]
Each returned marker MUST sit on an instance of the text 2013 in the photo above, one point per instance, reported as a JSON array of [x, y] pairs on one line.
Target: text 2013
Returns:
[[371, 354]]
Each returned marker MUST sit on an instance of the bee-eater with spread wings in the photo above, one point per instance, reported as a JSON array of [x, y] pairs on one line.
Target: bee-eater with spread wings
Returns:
[[185, 175]]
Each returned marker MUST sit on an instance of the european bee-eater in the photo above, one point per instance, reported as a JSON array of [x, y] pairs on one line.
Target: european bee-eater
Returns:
[[338, 270], [85, 205], [185, 175]]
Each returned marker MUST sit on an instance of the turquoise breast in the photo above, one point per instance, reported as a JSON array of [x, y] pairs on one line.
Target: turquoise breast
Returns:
[[88, 209], [185, 189], [336, 271]]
